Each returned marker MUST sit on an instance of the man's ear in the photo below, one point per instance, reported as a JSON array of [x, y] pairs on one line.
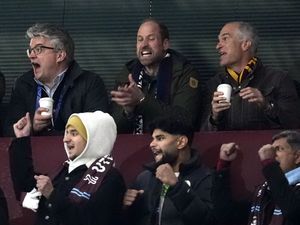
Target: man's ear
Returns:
[[246, 45], [61, 55], [182, 142], [166, 44], [297, 157]]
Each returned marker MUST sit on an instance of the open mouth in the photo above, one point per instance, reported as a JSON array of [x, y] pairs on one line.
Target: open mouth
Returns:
[[157, 154], [146, 53], [35, 65], [70, 147]]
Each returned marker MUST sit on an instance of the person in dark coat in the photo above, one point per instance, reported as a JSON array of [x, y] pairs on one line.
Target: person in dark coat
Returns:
[[57, 75], [277, 200], [176, 188], [261, 98], [159, 78]]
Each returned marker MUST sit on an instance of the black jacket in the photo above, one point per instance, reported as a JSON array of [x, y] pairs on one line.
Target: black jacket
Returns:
[[184, 204], [82, 91]]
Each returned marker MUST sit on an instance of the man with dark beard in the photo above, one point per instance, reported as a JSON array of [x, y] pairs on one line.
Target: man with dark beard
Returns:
[[176, 188], [158, 79]]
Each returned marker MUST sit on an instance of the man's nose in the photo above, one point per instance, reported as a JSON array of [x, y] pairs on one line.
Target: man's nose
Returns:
[[144, 43], [152, 143], [66, 138]]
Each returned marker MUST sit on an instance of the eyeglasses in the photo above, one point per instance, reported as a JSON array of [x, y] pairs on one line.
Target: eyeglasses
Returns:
[[37, 49]]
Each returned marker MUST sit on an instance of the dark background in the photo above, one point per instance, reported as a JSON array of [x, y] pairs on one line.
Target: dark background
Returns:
[[105, 31]]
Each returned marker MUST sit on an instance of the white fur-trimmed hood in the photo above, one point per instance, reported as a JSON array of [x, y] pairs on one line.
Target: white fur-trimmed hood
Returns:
[[101, 135]]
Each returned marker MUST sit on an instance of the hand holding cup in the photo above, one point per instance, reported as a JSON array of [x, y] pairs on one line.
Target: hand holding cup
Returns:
[[48, 104], [226, 90]]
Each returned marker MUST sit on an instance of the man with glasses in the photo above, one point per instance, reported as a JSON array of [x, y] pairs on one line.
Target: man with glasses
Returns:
[[57, 75]]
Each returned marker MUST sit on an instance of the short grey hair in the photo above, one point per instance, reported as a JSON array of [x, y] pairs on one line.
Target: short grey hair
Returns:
[[248, 32], [59, 37], [292, 138]]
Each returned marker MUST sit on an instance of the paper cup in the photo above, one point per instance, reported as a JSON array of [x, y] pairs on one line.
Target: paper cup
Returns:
[[48, 104], [226, 89]]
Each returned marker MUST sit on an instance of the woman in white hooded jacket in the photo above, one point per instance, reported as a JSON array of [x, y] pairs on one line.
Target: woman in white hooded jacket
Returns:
[[87, 189]]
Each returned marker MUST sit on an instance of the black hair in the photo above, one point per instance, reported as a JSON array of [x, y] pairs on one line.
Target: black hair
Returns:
[[175, 122]]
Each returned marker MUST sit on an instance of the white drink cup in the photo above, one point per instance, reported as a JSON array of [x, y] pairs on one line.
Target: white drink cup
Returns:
[[226, 89], [48, 104]]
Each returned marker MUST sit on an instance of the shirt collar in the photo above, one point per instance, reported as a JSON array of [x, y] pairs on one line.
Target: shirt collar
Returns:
[[293, 176], [57, 80]]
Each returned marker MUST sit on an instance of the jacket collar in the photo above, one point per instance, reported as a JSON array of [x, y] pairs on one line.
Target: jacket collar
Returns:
[[73, 72]]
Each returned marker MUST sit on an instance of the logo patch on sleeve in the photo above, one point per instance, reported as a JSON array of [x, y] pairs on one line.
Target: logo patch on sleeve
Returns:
[[193, 82]]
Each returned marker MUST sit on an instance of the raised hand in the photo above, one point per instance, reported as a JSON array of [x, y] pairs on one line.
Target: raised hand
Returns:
[[44, 185], [228, 151], [22, 128], [166, 174], [128, 96], [266, 152]]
